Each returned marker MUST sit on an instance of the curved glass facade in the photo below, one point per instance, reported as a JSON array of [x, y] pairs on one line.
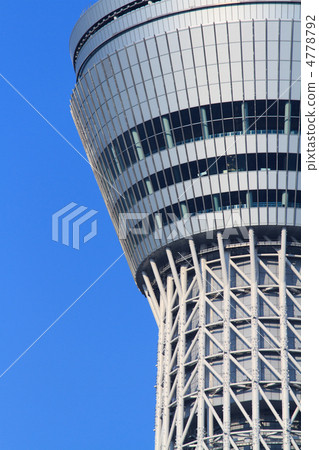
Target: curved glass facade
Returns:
[[156, 130]]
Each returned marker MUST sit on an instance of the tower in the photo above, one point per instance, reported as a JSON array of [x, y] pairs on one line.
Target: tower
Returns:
[[189, 114]]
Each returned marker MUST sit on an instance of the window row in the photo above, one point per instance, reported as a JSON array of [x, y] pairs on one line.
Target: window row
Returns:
[[198, 123], [213, 203], [205, 167]]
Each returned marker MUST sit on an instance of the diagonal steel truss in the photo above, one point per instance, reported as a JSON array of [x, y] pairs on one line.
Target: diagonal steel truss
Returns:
[[229, 346]]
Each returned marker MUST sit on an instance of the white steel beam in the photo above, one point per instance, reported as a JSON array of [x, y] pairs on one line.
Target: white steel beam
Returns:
[[254, 342], [284, 341], [224, 259]]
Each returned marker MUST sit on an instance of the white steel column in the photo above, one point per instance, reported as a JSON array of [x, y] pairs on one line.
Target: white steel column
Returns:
[[181, 289], [284, 342], [254, 342], [167, 360], [160, 380], [199, 273], [224, 260]]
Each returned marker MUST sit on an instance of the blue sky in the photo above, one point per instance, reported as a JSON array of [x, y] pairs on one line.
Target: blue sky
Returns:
[[88, 383]]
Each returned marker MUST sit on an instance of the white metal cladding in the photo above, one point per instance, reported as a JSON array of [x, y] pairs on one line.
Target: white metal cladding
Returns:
[[229, 347], [178, 71], [163, 16]]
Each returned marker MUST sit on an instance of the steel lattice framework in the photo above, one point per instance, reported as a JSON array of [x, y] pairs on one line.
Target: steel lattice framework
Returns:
[[229, 347], [189, 112]]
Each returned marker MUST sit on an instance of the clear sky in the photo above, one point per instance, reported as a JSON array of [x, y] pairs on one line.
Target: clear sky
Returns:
[[88, 383]]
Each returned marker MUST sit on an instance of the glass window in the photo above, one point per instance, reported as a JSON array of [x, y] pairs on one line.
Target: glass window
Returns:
[[261, 158], [178, 135], [294, 124], [195, 116], [142, 188], [221, 163], [176, 210], [281, 106], [185, 117], [128, 140], [212, 166], [132, 153], [228, 125], [161, 179], [234, 198], [238, 124], [208, 203], [126, 158], [193, 169], [272, 123], [237, 109], [282, 160], [250, 108], [216, 111], [261, 108], [241, 162], [175, 120], [202, 166], [188, 136], [272, 107], [149, 128], [146, 148], [169, 178], [177, 174], [157, 125], [217, 127], [225, 199], [153, 145], [136, 192], [191, 205], [261, 122], [281, 122], [262, 197], [160, 141], [154, 182], [243, 197], [197, 130], [272, 161], [199, 204], [271, 196], [298, 198], [227, 110], [231, 163], [295, 108], [292, 161], [251, 160], [185, 172]]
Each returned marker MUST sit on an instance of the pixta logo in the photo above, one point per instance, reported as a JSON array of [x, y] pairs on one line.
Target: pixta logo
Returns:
[[66, 217]]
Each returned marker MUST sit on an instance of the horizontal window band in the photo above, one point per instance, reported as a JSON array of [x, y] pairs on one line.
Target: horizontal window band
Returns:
[[206, 167], [212, 203], [199, 123]]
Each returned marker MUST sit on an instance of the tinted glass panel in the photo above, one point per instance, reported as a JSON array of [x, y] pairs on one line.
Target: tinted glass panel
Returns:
[[186, 126]]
